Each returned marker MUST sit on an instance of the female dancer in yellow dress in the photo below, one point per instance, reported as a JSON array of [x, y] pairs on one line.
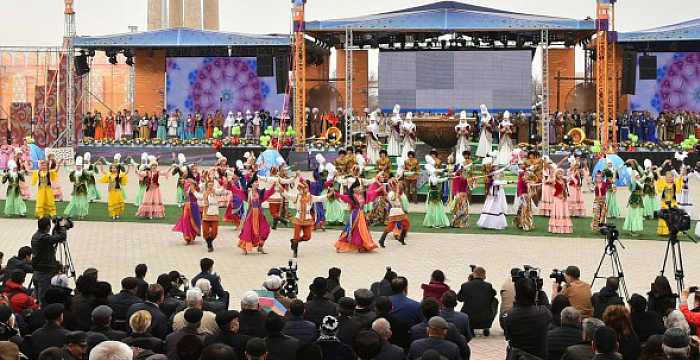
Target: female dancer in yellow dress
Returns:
[[45, 205], [667, 186], [116, 179]]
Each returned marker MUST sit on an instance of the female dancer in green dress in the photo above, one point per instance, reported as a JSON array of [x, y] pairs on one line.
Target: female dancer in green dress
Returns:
[[634, 221], [14, 204], [79, 205]]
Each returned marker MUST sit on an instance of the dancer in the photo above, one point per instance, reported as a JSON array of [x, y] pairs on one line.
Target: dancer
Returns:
[[668, 187], [408, 136], [461, 192], [493, 214], [378, 210], [317, 187], [384, 164], [435, 215], [91, 170], [505, 143], [23, 166], [611, 198], [523, 214], [79, 205], [485, 138], [115, 196], [600, 206], [55, 185], [220, 175], [14, 204], [152, 204], [255, 227], [373, 143], [548, 168], [634, 221], [180, 169], [210, 212], [560, 220], [463, 130], [44, 177], [394, 143], [335, 209], [576, 204], [684, 201], [356, 234], [411, 169], [303, 220], [141, 172], [397, 221], [190, 222], [278, 205], [650, 198]]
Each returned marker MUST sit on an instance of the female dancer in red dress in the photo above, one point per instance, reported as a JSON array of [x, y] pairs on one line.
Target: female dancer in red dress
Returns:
[[559, 219], [356, 235], [255, 227]]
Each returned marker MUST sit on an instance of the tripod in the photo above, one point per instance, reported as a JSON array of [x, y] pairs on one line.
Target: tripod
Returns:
[[615, 263], [66, 259], [673, 246]]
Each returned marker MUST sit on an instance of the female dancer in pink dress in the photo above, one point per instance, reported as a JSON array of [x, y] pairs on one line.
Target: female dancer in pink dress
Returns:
[[356, 235], [255, 227], [576, 205], [559, 219], [190, 223], [152, 203], [547, 188]]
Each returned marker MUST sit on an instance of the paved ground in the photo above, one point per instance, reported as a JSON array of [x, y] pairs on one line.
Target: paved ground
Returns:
[[116, 248]]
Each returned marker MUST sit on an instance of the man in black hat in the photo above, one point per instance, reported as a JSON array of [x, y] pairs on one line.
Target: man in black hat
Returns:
[[228, 334], [76, 346], [348, 327], [52, 334], [280, 346], [364, 314], [676, 344], [193, 318], [317, 306]]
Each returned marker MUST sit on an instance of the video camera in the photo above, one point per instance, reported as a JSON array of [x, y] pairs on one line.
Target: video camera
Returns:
[[532, 274], [676, 219], [67, 222], [288, 273], [610, 231], [557, 275]]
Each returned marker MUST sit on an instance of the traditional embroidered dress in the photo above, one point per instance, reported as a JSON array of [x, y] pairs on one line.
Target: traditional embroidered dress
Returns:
[[180, 190], [394, 143], [190, 222], [45, 205], [435, 215], [56, 185], [485, 138], [372, 135], [463, 130], [634, 221], [600, 206], [93, 194], [397, 221], [24, 187], [384, 166], [523, 217], [115, 195], [611, 197], [317, 188], [576, 204], [668, 192], [560, 220], [210, 215], [14, 204], [505, 143], [277, 204], [547, 192], [356, 235], [408, 134], [142, 174], [79, 205], [255, 227], [493, 214], [152, 204], [410, 176], [235, 209], [684, 201], [461, 192], [649, 197], [303, 220]]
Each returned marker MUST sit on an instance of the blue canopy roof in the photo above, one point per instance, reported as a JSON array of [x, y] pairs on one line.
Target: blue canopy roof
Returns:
[[181, 37], [451, 16], [684, 31]]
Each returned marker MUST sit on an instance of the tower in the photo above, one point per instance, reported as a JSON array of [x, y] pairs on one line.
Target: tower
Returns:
[[299, 53], [194, 14], [68, 38], [606, 73]]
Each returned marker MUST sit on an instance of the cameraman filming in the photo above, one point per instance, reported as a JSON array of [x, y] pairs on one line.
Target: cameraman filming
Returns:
[[525, 325], [44, 262], [577, 291]]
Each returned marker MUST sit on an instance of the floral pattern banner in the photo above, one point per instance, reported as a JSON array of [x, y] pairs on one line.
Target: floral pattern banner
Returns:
[[207, 84], [677, 84]]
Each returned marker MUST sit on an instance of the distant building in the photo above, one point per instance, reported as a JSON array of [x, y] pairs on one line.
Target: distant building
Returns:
[[195, 14]]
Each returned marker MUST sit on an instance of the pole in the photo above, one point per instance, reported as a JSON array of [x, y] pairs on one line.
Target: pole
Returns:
[[68, 43]]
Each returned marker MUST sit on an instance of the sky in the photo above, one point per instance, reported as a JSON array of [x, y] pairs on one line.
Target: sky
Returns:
[[40, 22]]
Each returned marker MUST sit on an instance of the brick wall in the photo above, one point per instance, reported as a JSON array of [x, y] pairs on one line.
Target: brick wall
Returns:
[[150, 80], [561, 62], [360, 78]]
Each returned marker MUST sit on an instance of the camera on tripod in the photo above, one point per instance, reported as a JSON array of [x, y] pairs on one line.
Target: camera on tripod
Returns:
[[676, 219], [532, 274], [66, 223], [610, 231], [288, 273]]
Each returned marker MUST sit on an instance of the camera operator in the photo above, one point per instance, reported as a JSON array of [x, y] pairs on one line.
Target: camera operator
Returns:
[[525, 325], [577, 291], [44, 261]]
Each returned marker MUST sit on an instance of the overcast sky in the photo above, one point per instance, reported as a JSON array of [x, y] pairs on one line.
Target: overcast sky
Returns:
[[40, 22]]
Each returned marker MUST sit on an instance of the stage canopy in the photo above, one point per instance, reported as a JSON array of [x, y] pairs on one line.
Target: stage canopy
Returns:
[[180, 37], [447, 17], [684, 36]]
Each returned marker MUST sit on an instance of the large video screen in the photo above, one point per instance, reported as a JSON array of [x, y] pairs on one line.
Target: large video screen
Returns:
[[207, 84], [676, 87], [437, 80]]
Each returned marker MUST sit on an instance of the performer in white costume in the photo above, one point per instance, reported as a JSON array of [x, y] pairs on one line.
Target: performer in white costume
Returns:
[[372, 136], [229, 123], [463, 129], [505, 143], [408, 134], [394, 145], [485, 138]]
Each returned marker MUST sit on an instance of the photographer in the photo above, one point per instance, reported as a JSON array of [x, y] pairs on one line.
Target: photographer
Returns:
[[525, 326], [44, 261], [207, 267], [577, 291]]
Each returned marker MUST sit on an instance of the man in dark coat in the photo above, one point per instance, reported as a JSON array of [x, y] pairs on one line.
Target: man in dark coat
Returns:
[[101, 320], [23, 261], [363, 308], [252, 319], [568, 334], [193, 318], [526, 324], [228, 322], [399, 330], [478, 300], [303, 330], [584, 349], [52, 334], [318, 306], [606, 296], [645, 323], [431, 309], [437, 332], [121, 302], [160, 326], [207, 267], [459, 319], [383, 287], [140, 273], [405, 309], [348, 326], [329, 343], [280, 346], [388, 350]]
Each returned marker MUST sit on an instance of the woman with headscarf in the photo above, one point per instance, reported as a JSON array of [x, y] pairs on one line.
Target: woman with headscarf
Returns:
[[485, 138], [634, 221], [14, 204], [408, 134], [229, 122], [180, 170], [115, 196], [660, 297], [493, 214], [91, 169], [463, 130], [394, 143], [576, 205], [435, 215], [668, 187], [505, 142], [56, 188], [373, 143]]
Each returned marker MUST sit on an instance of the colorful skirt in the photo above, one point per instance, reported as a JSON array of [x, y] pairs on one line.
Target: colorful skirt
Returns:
[[180, 195], [435, 215], [255, 230], [356, 235], [139, 195], [92, 192], [335, 214], [634, 221], [651, 204], [161, 133], [235, 211], [189, 223], [493, 214], [459, 207], [576, 204], [152, 205], [115, 202], [25, 190], [45, 205], [15, 206], [560, 220], [613, 206], [547, 199], [523, 217], [600, 211], [79, 206]]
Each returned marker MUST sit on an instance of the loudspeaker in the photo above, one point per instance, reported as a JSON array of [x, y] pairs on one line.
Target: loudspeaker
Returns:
[[281, 73], [629, 72], [81, 65], [264, 66], [647, 67]]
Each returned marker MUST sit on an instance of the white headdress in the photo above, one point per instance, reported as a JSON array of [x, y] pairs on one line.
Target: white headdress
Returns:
[[647, 164], [320, 160], [429, 160], [144, 158], [330, 168], [463, 116], [79, 161], [86, 157], [506, 115], [181, 158], [487, 161], [117, 157], [12, 165], [397, 109], [409, 117], [239, 164]]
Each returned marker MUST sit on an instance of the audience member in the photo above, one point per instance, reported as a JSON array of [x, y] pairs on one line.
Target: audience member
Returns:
[[251, 318], [526, 324], [21, 302], [52, 334], [692, 317], [606, 296], [280, 346], [578, 292], [274, 283], [459, 319], [431, 308], [52, 353], [189, 347], [194, 299], [367, 345], [388, 351], [318, 306], [605, 344], [76, 346], [348, 327], [159, 323], [617, 317], [645, 323], [584, 349], [209, 301], [9, 351], [404, 308], [399, 329], [478, 301], [303, 330], [676, 344], [101, 320], [661, 298], [255, 349], [229, 334], [8, 326], [565, 335], [437, 332], [436, 287], [140, 325], [364, 314], [653, 348], [23, 261], [193, 318], [507, 294], [676, 319], [559, 303], [112, 350], [140, 272], [207, 267], [383, 287], [218, 351], [335, 291], [331, 346], [121, 302]]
